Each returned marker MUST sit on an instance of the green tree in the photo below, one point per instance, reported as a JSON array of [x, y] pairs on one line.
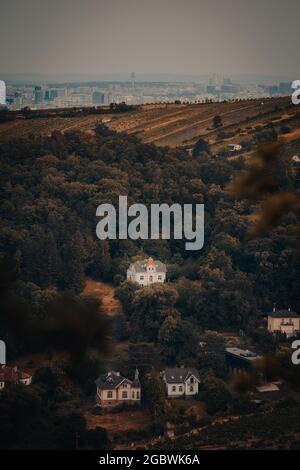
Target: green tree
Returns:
[[217, 121], [154, 394]]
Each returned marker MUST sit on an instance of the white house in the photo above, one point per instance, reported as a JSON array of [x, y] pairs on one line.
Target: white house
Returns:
[[284, 322], [113, 389], [181, 381], [147, 272]]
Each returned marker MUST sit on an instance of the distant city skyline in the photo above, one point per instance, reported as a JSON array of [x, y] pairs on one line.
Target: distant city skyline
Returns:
[[36, 78], [96, 38]]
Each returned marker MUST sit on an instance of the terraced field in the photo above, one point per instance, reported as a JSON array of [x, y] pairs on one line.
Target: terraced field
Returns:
[[162, 124], [177, 124]]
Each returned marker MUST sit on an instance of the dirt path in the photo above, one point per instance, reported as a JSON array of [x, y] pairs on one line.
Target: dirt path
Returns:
[[115, 422], [106, 293]]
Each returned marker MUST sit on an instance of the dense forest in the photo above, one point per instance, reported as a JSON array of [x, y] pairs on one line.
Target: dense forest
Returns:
[[52, 186]]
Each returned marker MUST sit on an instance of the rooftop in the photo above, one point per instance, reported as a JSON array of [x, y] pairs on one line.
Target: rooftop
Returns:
[[141, 265], [243, 354], [180, 374], [285, 313], [111, 380]]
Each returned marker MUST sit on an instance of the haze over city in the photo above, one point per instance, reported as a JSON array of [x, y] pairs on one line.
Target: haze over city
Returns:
[[96, 38]]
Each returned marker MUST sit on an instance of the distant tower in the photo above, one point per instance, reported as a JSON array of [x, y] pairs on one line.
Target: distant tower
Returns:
[[2, 93], [38, 95], [132, 77]]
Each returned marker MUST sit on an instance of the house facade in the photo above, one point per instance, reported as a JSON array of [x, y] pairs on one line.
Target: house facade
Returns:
[[181, 382], [13, 375], [147, 272], [114, 389], [284, 322]]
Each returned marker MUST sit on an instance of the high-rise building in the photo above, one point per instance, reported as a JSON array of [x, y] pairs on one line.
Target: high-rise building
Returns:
[[2, 93], [38, 95], [132, 77], [98, 97]]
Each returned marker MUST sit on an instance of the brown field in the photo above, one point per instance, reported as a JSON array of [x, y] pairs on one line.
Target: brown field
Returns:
[[177, 124], [105, 292], [167, 124], [115, 422]]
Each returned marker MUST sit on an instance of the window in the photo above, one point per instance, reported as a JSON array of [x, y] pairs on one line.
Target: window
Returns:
[[174, 388], [151, 278], [138, 395], [109, 394], [191, 388], [132, 394], [159, 278], [124, 385], [124, 394], [192, 380], [141, 278], [180, 388]]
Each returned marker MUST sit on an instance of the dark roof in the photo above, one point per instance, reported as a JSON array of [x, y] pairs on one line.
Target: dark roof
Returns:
[[141, 266], [136, 382], [283, 314], [110, 380], [243, 354], [180, 374]]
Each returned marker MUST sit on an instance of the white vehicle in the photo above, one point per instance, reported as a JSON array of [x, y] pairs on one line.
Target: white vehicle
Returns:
[[234, 147]]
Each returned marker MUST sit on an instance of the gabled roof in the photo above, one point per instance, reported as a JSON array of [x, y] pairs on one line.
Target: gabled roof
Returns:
[[283, 314], [110, 380], [141, 265], [180, 374]]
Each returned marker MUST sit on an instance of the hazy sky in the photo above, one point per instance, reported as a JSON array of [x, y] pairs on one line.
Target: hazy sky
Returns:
[[155, 36]]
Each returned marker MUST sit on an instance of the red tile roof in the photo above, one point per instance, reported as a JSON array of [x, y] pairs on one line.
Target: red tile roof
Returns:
[[12, 374]]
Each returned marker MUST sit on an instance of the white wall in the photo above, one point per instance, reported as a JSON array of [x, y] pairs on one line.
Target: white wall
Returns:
[[146, 279], [133, 394], [188, 386], [182, 389], [177, 392]]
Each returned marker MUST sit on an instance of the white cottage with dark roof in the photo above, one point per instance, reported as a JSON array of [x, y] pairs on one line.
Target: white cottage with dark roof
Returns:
[[147, 272], [284, 322], [181, 381], [113, 389]]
